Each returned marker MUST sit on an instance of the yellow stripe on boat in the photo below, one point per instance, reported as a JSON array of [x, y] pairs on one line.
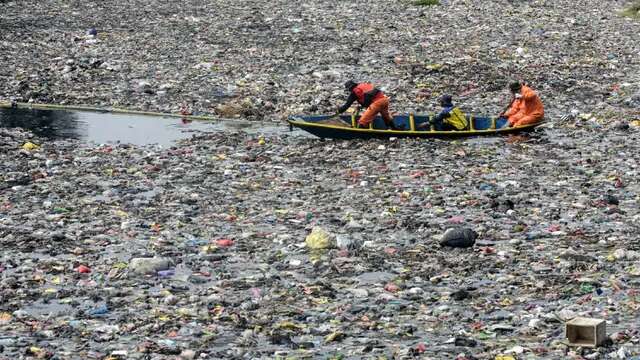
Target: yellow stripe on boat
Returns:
[[413, 132]]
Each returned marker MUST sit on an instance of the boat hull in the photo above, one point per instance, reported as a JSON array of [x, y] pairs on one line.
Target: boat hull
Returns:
[[341, 129]]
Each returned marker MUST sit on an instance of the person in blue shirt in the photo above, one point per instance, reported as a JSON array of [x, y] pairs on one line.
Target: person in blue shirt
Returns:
[[449, 119]]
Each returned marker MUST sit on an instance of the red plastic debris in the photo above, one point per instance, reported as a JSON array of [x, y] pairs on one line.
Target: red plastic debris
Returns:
[[456, 220], [487, 250], [619, 183], [224, 242], [184, 110], [390, 250], [83, 269], [391, 287], [417, 174], [554, 228], [343, 253]]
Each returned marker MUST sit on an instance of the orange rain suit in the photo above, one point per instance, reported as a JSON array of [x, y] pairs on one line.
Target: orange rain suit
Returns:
[[378, 106], [526, 110]]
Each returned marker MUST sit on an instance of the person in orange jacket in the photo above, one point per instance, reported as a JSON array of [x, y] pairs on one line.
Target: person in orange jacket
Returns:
[[370, 98], [526, 106]]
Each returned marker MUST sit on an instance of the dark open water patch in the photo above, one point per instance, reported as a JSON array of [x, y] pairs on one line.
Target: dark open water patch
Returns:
[[103, 128]]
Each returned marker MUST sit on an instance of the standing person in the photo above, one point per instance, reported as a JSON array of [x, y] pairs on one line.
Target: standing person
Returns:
[[451, 118], [370, 98], [526, 106]]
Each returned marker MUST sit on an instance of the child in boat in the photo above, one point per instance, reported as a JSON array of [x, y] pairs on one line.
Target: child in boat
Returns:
[[451, 118]]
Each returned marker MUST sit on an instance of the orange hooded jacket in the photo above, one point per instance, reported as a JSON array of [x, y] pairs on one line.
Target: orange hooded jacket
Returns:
[[526, 110]]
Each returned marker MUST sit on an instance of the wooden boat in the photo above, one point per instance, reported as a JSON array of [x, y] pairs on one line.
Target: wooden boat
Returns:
[[343, 127]]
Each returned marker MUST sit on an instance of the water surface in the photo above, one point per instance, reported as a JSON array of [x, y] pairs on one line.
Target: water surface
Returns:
[[104, 127]]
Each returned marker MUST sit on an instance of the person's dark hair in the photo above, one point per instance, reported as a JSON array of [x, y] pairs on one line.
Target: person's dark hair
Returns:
[[446, 100], [349, 85], [515, 86]]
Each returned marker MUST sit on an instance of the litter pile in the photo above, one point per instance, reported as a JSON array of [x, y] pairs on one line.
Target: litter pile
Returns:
[[270, 59], [239, 246]]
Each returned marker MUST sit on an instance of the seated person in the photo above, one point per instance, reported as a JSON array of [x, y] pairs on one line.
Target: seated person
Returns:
[[451, 118], [525, 108]]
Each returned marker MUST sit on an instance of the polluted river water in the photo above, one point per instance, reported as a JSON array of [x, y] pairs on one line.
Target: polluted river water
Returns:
[[228, 246], [106, 127], [232, 245]]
